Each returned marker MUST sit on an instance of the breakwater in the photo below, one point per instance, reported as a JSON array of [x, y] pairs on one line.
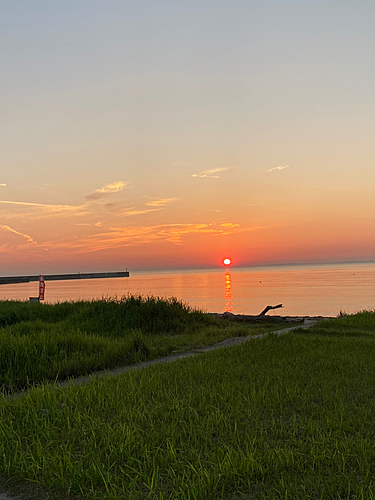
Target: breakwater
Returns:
[[9, 280]]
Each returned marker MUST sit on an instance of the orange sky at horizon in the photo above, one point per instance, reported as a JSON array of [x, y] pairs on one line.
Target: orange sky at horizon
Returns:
[[107, 247], [115, 227]]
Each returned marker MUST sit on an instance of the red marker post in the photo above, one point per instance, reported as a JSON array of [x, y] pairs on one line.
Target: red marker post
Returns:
[[41, 288]]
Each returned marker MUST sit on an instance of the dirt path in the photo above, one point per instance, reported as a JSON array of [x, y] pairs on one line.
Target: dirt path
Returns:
[[171, 358], [174, 357]]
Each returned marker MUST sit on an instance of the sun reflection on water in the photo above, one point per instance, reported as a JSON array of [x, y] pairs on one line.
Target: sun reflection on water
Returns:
[[228, 293]]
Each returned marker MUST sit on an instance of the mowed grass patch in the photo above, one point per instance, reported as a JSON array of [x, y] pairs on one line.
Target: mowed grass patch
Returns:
[[278, 417], [41, 342]]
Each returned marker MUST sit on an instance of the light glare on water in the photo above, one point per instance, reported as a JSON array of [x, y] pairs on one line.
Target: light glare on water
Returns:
[[304, 290]]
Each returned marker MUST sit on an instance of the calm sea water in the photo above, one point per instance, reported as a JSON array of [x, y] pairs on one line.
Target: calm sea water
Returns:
[[303, 290]]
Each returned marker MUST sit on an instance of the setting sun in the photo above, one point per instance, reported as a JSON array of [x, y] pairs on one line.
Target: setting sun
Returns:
[[227, 262]]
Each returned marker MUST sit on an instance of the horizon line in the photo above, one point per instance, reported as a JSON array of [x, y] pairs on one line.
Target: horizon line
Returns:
[[213, 267]]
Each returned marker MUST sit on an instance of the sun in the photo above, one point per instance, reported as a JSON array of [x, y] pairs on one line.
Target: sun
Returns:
[[227, 261]]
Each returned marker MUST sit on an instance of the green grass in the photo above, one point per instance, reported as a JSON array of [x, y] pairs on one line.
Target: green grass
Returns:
[[288, 417], [359, 324], [40, 342]]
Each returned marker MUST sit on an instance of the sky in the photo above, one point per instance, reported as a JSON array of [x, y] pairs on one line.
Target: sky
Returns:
[[171, 134]]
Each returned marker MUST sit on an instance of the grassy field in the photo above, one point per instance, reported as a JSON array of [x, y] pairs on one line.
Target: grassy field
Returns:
[[40, 342], [288, 417]]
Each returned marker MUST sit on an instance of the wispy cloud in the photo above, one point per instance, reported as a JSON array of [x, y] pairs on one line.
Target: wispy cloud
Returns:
[[42, 205], [280, 167], [229, 224], [112, 237], [210, 173], [118, 236], [28, 238], [134, 211], [160, 202], [41, 210], [91, 209], [174, 232], [121, 210], [113, 187], [154, 204], [3, 185]]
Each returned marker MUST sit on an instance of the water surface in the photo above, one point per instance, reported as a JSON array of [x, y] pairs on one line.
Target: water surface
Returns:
[[303, 290]]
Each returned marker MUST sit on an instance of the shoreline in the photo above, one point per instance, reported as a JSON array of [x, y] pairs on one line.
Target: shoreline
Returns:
[[247, 318]]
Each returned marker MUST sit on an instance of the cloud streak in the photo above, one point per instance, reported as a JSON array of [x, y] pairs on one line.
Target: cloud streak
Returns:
[[280, 167], [210, 173], [38, 211], [42, 210], [152, 205], [111, 188], [27, 237], [121, 210], [121, 236], [133, 211], [229, 225], [3, 185], [160, 202], [118, 236], [42, 205]]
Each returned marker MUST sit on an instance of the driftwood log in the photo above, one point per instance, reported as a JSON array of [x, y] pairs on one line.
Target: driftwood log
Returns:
[[262, 316], [258, 317], [268, 308]]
